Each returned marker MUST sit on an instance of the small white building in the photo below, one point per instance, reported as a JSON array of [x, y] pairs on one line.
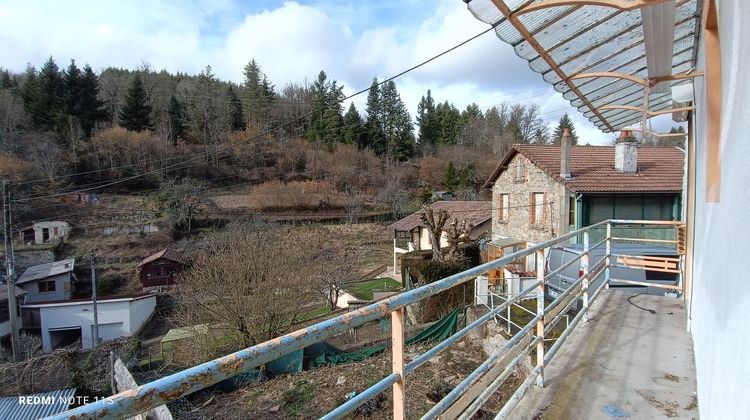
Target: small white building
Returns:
[[409, 234], [48, 282], [63, 323], [42, 232]]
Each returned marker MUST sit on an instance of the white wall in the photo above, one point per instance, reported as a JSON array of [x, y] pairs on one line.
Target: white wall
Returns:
[[121, 318], [721, 287]]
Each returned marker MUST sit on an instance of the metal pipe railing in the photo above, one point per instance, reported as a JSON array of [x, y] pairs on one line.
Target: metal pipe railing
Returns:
[[179, 384]]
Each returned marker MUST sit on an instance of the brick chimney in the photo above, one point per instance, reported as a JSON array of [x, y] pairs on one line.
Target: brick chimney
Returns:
[[565, 154], [626, 153]]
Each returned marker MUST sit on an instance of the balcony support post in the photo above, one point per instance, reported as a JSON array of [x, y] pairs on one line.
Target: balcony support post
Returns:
[[540, 313], [585, 269], [397, 355]]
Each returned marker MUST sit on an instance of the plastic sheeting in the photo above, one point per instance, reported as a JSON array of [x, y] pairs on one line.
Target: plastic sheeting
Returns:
[[584, 39], [436, 332]]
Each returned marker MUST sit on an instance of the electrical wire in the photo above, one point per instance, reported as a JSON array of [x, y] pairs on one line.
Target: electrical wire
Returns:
[[269, 131]]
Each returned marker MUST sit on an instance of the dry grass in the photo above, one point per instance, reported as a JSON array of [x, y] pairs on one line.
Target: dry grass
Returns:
[[318, 391], [279, 196]]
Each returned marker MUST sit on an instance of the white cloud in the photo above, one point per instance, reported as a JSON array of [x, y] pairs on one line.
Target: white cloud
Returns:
[[292, 42]]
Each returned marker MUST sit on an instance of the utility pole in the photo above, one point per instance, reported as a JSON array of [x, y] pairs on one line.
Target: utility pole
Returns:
[[93, 296], [10, 280]]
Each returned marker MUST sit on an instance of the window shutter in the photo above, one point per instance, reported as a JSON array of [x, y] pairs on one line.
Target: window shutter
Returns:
[[544, 210], [531, 208], [500, 207]]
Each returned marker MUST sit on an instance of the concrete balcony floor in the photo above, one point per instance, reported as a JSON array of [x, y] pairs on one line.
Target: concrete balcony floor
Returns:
[[625, 362]]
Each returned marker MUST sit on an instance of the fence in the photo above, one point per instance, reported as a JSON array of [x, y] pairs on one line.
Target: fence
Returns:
[[466, 398]]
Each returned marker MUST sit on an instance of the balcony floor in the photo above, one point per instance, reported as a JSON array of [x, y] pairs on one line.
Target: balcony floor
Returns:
[[625, 362]]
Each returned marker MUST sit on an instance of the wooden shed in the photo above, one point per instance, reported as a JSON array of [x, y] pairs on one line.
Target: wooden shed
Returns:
[[162, 268]]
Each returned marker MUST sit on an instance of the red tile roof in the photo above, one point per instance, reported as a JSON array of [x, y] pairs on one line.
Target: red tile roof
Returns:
[[660, 169], [474, 212], [168, 254]]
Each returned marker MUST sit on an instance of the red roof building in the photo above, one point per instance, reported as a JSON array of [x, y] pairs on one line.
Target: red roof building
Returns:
[[162, 268]]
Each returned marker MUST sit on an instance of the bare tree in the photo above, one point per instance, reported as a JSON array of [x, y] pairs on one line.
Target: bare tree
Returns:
[[395, 196], [184, 200], [434, 224], [248, 287], [335, 269], [47, 156], [353, 205], [457, 233]]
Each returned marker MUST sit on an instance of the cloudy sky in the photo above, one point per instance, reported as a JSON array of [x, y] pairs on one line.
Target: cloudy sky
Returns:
[[353, 41]]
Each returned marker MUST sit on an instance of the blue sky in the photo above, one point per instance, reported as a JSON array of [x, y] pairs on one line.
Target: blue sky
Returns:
[[353, 41]]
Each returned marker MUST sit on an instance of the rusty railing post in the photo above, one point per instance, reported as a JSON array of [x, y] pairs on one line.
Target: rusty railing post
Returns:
[[540, 313], [608, 253], [585, 270], [397, 347]]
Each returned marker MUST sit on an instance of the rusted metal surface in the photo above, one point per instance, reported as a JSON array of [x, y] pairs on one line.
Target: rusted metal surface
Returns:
[[153, 394]]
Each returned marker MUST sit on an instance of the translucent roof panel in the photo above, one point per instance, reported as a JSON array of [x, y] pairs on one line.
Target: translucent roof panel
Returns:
[[570, 40]]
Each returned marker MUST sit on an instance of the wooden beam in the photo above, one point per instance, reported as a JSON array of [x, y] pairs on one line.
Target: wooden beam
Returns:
[[628, 107], [621, 5], [521, 28], [681, 76], [616, 75]]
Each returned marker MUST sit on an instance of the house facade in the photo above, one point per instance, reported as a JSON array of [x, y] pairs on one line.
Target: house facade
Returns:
[[409, 234], [47, 282], [43, 232], [540, 192], [5, 328], [161, 269], [62, 323]]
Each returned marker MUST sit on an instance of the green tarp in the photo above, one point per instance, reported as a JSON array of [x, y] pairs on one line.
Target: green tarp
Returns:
[[438, 331]]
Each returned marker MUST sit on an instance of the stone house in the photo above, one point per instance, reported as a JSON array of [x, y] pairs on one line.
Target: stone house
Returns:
[[409, 234], [540, 192]]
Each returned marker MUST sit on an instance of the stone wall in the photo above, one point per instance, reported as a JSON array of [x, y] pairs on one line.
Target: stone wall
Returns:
[[519, 197]]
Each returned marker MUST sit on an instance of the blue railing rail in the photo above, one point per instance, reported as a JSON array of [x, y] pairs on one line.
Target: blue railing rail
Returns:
[[467, 396]]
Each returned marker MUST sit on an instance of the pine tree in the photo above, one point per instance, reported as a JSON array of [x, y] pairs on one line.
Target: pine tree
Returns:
[[396, 122], [30, 94], [136, 114], [90, 107], [472, 111], [258, 94], [327, 122], [354, 128], [72, 86], [450, 180], [236, 118], [449, 123], [427, 120], [5, 80], [565, 122], [374, 123], [177, 119], [50, 98]]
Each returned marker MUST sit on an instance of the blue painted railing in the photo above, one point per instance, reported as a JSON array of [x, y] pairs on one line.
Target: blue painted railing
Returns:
[[462, 401]]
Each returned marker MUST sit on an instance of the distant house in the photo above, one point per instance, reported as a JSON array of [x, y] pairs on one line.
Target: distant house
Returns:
[[51, 281], [42, 232], [162, 268], [5, 330], [540, 192], [442, 196], [65, 322], [409, 234]]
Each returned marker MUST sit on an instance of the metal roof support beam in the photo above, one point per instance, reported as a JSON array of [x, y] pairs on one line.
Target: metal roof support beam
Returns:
[[519, 26], [616, 4]]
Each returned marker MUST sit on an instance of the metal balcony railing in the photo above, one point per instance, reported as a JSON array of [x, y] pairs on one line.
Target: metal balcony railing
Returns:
[[467, 397]]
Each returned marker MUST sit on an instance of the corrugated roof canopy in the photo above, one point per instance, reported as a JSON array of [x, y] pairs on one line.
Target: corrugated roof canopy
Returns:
[[564, 41]]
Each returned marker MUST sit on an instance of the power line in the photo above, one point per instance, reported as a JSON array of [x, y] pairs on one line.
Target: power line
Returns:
[[269, 131]]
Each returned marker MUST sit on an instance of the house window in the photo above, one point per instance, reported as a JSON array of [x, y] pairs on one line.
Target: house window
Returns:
[[571, 211], [46, 286], [538, 208], [520, 172], [503, 207], [4, 312], [713, 101]]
